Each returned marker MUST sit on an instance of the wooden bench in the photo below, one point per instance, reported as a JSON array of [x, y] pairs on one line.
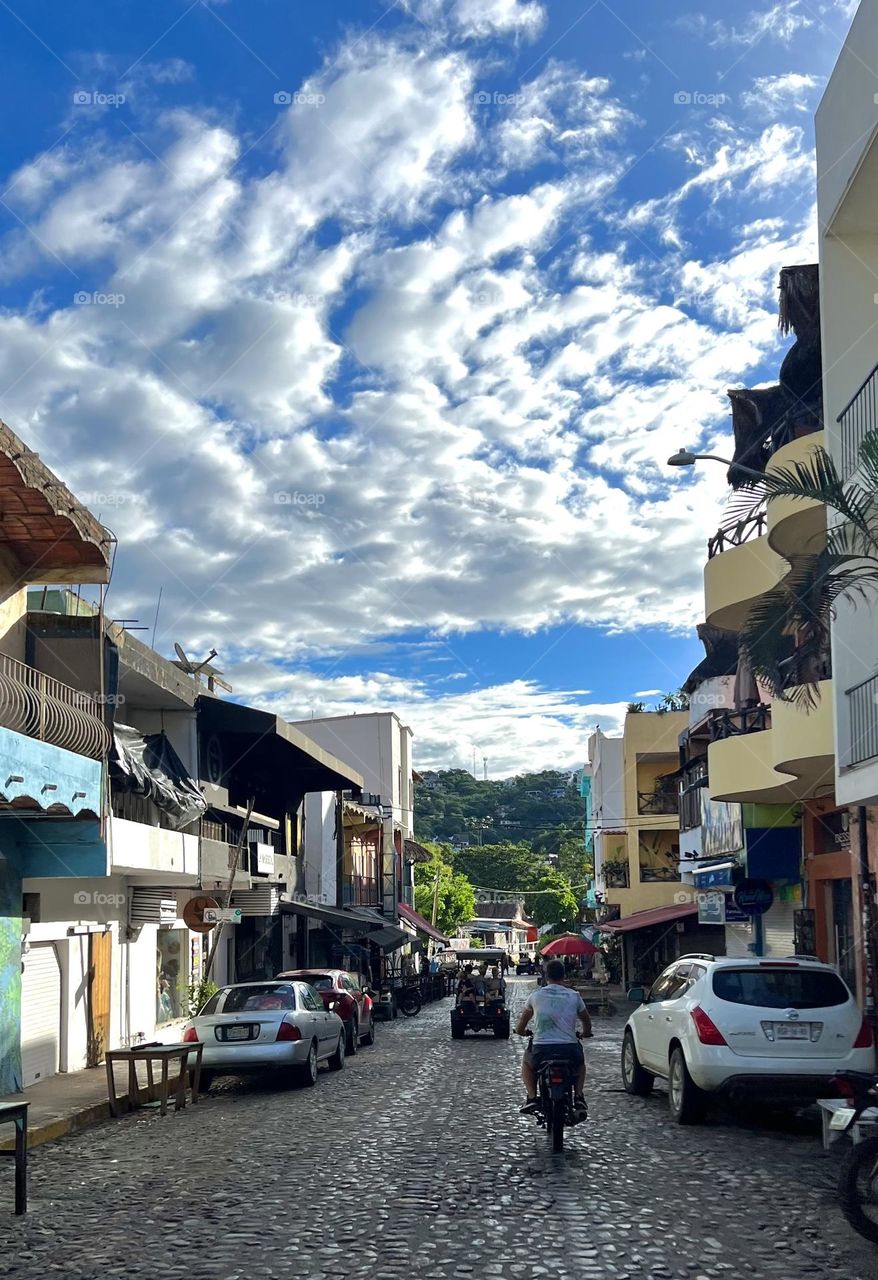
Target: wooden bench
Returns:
[[16, 1113], [148, 1054]]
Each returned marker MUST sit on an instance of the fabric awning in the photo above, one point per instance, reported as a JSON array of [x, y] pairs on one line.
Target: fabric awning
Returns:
[[336, 917], [422, 925], [646, 919]]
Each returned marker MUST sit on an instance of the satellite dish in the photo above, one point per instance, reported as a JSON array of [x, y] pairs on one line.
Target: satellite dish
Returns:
[[190, 667]]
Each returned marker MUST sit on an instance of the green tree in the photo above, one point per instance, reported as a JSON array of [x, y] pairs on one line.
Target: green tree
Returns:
[[548, 896], [456, 899]]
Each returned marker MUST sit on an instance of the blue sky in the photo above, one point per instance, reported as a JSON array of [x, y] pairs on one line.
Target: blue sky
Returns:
[[368, 328]]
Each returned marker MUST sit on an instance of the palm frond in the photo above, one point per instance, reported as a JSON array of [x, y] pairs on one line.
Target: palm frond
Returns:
[[869, 461]]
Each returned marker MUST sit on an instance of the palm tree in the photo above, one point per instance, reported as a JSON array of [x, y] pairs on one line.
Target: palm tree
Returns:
[[786, 636]]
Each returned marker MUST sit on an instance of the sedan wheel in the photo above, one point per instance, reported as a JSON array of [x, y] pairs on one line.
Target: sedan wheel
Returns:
[[308, 1070], [336, 1062]]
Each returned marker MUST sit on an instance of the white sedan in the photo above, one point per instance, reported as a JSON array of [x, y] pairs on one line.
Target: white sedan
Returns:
[[773, 1030], [261, 1026]]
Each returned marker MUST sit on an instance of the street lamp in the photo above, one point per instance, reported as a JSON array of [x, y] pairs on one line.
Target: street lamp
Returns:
[[685, 458]]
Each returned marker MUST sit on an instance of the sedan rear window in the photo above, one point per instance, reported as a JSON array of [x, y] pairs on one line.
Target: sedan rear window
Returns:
[[320, 981], [267, 999], [780, 988]]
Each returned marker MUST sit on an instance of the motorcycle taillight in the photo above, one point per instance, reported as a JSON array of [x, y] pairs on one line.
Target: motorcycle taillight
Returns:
[[557, 1078]]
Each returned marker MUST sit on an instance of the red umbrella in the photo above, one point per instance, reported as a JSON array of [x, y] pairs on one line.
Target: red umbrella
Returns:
[[572, 944]]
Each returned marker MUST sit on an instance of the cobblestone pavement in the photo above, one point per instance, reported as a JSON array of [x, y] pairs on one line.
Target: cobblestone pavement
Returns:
[[414, 1162]]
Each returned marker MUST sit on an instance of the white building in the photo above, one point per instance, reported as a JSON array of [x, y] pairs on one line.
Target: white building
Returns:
[[607, 766], [847, 209]]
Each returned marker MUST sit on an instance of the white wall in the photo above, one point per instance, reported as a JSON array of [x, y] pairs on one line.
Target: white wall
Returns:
[[179, 727], [137, 848], [847, 204], [378, 746], [319, 872]]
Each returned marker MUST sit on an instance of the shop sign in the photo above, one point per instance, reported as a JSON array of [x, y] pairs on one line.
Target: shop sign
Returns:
[[222, 915], [261, 858], [754, 897], [711, 908], [734, 914]]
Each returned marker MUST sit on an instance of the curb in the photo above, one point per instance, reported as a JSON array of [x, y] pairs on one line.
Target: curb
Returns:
[[86, 1118]]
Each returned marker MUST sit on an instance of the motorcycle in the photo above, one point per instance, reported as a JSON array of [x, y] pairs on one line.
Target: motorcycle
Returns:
[[858, 1179], [409, 1001], [555, 1083]]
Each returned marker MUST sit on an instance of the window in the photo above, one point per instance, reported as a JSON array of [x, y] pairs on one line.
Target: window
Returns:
[[320, 981], [311, 1000], [171, 974], [661, 986], [212, 1003], [780, 988], [258, 997]]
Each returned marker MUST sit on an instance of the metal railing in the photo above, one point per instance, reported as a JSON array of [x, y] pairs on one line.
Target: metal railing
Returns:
[[362, 891], [863, 704], [731, 724], [658, 802], [858, 416], [735, 535], [39, 706]]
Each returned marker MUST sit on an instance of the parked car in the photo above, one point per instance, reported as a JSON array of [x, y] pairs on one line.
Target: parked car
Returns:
[[343, 994], [759, 1028], [262, 1026]]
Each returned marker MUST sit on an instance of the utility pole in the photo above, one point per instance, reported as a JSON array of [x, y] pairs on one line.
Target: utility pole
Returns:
[[485, 768], [435, 913]]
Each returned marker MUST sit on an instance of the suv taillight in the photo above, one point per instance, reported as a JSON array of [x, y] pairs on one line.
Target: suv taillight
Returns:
[[864, 1036], [190, 1036], [708, 1031], [286, 1031]]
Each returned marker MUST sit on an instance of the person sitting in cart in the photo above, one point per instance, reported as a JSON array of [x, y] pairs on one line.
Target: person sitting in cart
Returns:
[[466, 988], [496, 985]]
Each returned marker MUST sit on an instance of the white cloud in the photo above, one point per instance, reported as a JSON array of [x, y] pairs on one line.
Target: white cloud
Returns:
[[779, 93], [481, 19], [781, 22]]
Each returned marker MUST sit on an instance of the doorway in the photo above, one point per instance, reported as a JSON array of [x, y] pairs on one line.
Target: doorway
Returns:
[[100, 958]]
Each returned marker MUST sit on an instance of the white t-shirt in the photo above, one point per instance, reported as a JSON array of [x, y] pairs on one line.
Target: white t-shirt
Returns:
[[555, 1014]]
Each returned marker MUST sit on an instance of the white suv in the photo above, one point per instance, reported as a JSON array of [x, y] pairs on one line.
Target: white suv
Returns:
[[776, 1030]]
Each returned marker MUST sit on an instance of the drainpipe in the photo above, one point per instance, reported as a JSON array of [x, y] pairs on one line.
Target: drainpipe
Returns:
[[867, 921]]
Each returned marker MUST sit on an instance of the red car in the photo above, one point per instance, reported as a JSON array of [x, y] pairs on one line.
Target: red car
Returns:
[[342, 994]]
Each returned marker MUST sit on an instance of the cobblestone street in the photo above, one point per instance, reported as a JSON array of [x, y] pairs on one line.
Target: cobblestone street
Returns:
[[413, 1161]]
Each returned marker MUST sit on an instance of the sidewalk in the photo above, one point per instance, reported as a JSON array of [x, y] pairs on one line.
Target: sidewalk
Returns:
[[70, 1101]]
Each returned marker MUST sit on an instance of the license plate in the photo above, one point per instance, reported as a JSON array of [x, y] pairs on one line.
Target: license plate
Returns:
[[841, 1119], [237, 1033], [792, 1030]]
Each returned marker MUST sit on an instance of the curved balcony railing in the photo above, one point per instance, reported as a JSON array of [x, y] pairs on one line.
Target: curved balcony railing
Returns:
[[41, 707], [735, 535]]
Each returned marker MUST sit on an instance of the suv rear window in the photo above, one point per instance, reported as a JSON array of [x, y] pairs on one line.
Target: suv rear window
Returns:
[[780, 988], [242, 999], [319, 981]]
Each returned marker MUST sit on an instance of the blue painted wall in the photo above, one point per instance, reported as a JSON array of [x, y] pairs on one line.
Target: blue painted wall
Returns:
[[49, 775]]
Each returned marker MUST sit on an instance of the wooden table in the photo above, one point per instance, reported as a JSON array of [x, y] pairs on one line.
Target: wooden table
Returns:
[[16, 1113], [864, 1128], [148, 1054]]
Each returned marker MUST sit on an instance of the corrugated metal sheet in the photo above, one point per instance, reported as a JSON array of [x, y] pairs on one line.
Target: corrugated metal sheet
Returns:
[[152, 905]]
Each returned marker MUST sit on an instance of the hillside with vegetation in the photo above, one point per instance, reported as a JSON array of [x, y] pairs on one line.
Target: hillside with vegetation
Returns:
[[523, 834], [453, 807]]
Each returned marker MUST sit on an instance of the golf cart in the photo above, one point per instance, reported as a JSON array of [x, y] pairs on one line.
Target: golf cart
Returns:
[[476, 1006], [526, 964]]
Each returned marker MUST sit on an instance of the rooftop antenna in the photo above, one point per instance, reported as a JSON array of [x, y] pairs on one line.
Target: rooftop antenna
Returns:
[[485, 767], [155, 622]]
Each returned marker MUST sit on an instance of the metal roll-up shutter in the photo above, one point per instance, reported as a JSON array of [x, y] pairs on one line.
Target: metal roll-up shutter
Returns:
[[738, 939], [778, 925], [40, 1014]]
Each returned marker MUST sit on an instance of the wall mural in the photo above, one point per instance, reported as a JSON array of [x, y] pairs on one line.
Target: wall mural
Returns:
[[10, 978], [722, 828]]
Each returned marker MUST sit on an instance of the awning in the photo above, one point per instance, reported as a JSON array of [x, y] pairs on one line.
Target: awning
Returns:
[[422, 925], [335, 917], [415, 852], [377, 928], [646, 919]]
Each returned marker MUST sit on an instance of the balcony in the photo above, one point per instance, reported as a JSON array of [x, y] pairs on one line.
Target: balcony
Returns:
[[859, 416], [139, 848], [741, 568], [663, 800], [791, 760], [862, 702], [796, 527], [362, 891], [615, 875], [41, 707], [726, 723], [737, 534]]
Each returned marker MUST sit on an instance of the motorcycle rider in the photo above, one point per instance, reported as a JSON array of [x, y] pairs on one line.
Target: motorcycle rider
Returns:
[[555, 1011]]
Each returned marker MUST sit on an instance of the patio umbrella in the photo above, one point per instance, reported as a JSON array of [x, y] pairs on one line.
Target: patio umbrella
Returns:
[[572, 944]]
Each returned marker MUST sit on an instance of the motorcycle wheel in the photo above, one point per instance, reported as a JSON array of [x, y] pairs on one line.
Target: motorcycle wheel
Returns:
[[410, 1003], [858, 1188], [556, 1127]]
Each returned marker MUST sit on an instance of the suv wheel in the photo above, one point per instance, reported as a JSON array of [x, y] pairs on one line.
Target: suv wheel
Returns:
[[687, 1102], [352, 1033], [636, 1081]]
